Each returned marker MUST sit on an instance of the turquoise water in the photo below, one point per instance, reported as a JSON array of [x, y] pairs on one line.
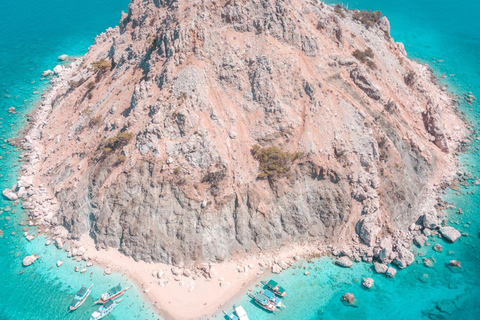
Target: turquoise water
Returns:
[[34, 33], [432, 31]]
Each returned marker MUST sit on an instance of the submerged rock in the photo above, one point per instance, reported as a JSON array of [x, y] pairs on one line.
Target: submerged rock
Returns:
[[367, 283], [455, 264], [349, 299]]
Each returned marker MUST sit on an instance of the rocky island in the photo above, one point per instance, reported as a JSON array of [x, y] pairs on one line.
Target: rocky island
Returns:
[[198, 134]]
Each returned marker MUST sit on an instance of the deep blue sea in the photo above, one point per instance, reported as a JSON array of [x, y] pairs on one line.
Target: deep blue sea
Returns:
[[443, 33]]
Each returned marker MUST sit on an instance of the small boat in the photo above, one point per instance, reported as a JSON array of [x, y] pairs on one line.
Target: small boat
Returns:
[[273, 298], [238, 314], [112, 293], [275, 288], [104, 310], [80, 298], [262, 301]]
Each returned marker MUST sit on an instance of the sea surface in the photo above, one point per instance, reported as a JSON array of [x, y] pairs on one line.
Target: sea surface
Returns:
[[32, 36], [444, 34]]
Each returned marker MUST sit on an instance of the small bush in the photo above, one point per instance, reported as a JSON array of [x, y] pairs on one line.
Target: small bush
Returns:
[[121, 159], [120, 140], [101, 65], [95, 121], [273, 161], [410, 78], [91, 85], [368, 18], [339, 10], [75, 84], [365, 57]]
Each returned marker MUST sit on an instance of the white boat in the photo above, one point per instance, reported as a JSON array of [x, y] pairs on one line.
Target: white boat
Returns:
[[238, 314], [104, 310]]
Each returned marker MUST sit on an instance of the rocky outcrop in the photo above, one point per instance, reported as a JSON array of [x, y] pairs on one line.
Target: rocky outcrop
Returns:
[[147, 143], [361, 78]]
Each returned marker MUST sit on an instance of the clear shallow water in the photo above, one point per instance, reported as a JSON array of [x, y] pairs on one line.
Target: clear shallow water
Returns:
[[432, 31], [33, 34]]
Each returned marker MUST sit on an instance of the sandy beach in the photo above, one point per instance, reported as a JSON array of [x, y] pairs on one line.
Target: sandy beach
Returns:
[[199, 295]]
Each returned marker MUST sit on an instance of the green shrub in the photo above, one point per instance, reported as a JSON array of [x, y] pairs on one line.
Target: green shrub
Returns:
[[273, 161], [368, 18], [114, 143], [121, 159], [410, 78], [339, 10], [75, 84], [91, 85], [365, 57], [95, 121], [101, 65]]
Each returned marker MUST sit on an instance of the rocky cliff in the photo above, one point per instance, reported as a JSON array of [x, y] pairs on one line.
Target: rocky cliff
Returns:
[[198, 129]]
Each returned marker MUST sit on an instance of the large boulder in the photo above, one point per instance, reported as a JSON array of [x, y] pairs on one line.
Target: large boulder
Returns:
[[63, 57], [450, 233], [57, 69], [368, 230], [432, 119], [344, 262], [380, 267], [391, 272], [420, 240], [28, 260], [404, 258], [431, 220], [10, 195]]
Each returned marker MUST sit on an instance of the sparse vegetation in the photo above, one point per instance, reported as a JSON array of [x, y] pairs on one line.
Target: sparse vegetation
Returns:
[[365, 57], [91, 85], [339, 10], [368, 18], [101, 65], [273, 161], [120, 159], [75, 84], [114, 143], [410, 78], [95, 121]]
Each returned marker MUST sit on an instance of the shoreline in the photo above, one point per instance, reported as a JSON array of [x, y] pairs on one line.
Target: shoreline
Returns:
[[143, 278]]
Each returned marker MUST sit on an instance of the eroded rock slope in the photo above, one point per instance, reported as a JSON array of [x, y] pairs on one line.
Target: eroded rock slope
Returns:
[[197, 129]]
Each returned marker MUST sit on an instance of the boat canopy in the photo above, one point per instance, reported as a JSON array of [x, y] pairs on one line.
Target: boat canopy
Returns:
[[269, 294], [262, 299], [241, 313], [276, 286], [108, 304], [82, 291], [114, 290]]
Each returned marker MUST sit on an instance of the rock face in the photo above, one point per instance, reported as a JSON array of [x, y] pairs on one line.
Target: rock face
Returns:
[[197, 129]]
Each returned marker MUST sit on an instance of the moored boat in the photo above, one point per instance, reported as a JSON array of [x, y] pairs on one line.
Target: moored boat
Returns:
[[112, 293], [275, 288], [104, 310], [80, 297], [238, 314], [262, 301], [273, 298]]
